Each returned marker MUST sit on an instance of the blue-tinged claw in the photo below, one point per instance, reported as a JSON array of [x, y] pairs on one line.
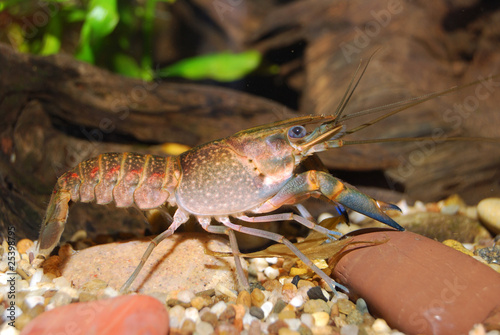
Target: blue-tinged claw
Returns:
[[368, 206], [351, 198]]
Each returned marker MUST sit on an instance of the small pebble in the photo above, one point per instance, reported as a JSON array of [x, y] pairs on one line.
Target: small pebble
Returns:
[[176, 315], [257, 297], [257, 312], [345, 306], [297, 301], [296, 280], [36, 278], [244, 298], [61, 299], [204, 328], [271, 260], [188, 326], [321, 318], [361, 306], [271, 272], [316, 293], [287, 331], [23, 245], [349, 330], [267, 307], [279, 306], [207, 316], [489, 213], [289, 291], [200, 302], [260, 264], [286, 314], [185, 296], [380, 326], [228, 314], [218, 308], [316, 305], [192, 314]]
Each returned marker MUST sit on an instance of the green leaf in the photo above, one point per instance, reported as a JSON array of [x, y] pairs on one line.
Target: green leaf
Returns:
[[51, 45], [101, 19], [127, 66], [222, 67]]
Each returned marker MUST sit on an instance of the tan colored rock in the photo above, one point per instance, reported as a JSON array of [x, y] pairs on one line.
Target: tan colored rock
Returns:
[[489, 213], [178, 263]]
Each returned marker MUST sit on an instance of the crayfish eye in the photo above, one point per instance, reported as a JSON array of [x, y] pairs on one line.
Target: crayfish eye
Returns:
[[297, 132]]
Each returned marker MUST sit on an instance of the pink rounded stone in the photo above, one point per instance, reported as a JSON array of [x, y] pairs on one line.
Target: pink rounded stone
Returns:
[[129, 314]]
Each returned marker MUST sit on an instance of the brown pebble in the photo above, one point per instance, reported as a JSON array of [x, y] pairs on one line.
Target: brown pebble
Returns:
[[174, 302], [228, 314], [271, 285], [188, 326], [244, 299], [257, 297], [276, 326], [226, 328], [345, 306], [305, 283], [286, 314], [289, 291], [334, 310], [239, 310], [23, 245], [200, 301], [22, 321], [254, 328], [210, 318]]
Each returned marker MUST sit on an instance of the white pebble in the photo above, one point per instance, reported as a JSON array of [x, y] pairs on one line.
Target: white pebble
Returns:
[[271, 272], [4, 266], [248, 318], [271, 260], [420, 206], [477, 329], [192, 313], [267, 307], [260, 264], [450, 209], [307, 319], [349, 330], [176, 315], [185, 296], [6, 329], [218, 308], [203, 328], [293, 324], [15, 313], [489, 213], [380, 326], [36, 278], [110, 292], [32, 301], [297, 301]]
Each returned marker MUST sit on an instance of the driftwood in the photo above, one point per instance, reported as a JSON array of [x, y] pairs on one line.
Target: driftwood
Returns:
[[56, 111]]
